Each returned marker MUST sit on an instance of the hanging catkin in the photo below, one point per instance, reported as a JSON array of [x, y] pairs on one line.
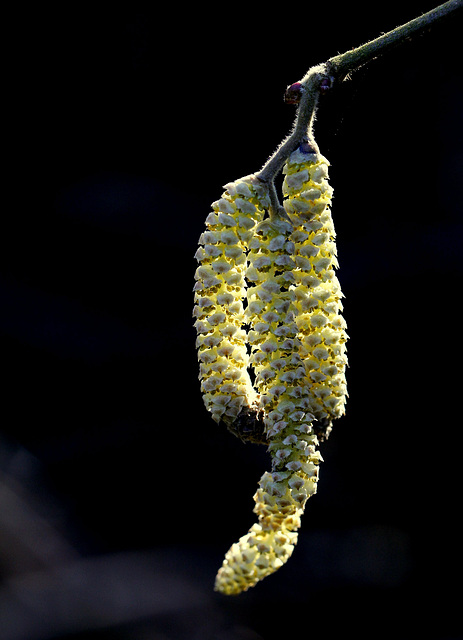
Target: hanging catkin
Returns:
[[219, 291], [283, 399], [280, 357], [317, 293]]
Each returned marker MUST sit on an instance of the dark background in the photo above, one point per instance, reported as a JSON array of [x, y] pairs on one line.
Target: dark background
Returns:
[[118, 494]]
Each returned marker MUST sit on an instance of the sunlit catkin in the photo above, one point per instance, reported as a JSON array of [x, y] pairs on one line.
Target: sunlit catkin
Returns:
[[316, 289], [278, 359], [219, 291], [283, 398]]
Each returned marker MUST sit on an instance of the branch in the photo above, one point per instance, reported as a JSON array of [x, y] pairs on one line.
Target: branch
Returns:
[[343, 64], [336, 69], [309, 89]]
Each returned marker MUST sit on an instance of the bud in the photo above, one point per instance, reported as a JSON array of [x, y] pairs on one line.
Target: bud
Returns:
[[293, 93]]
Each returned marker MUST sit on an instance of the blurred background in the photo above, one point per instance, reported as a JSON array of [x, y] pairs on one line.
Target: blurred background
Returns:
[[118, 494]]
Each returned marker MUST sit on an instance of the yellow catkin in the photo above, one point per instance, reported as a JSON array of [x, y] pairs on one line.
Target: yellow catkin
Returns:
[[295, 348], [283, 399], [219, 291], [317, 293]]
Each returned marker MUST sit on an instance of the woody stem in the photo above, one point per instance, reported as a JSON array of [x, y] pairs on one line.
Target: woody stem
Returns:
[[337, 68], [343, 64]]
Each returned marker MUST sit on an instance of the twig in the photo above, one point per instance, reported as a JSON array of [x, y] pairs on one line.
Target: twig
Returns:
[[336, 69], [310, 89], [342, 65]]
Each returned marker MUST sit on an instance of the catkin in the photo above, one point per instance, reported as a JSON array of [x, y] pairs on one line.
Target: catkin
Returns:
[[317, 293], [280, 356], [219, 291], [282, 494]]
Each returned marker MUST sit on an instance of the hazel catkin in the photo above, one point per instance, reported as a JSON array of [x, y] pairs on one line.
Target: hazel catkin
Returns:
[[283, 398], [317, 292], [272, 346], [219, 292]]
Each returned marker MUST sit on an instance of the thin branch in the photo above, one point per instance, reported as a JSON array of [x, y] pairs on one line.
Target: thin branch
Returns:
[[336, 69], [310, 86], [343, 64]]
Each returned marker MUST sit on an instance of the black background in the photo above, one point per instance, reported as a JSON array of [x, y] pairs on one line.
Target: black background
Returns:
[[125, 124]]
